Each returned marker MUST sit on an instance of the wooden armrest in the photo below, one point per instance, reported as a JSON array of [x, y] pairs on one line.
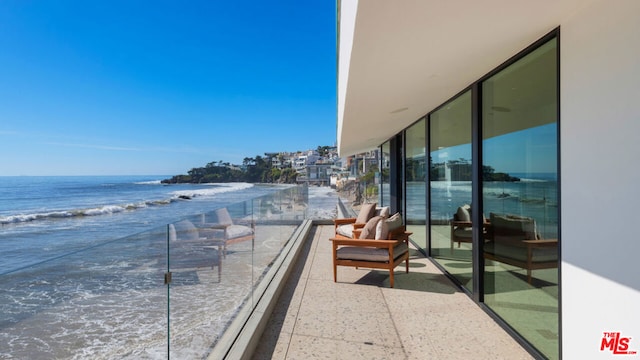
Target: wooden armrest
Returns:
[[344, 221], [405, 236], [541, 243]]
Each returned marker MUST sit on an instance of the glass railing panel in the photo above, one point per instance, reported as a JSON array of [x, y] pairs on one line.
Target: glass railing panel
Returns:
[[108, 301], [217, 261], [210, 260], [111, 300]]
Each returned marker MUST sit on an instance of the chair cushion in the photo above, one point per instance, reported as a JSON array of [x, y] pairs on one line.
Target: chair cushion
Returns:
[[186, 231], [369, 230], [394, 222], [236, 231], [223, 217], [345, 230], [370, 254], [366, 212]]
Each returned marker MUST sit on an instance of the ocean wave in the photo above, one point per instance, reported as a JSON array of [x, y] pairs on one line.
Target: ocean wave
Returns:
[[216, 188], [63, 214], [152, 182], [534, 180], [181, 195]]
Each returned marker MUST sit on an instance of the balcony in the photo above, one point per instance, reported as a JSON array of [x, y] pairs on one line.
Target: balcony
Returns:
[[424, 316], [159, 295]]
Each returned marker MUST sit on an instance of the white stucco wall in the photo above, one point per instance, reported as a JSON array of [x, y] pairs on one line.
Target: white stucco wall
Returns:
[[600, 161], [348, 11]]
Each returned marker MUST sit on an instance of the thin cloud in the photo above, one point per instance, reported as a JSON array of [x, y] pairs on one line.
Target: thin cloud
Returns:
[[124, 148], [98, 147]]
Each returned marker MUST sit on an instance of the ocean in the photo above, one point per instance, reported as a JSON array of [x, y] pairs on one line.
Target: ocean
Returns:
[[46, 217], [535, 196], [84, 257]]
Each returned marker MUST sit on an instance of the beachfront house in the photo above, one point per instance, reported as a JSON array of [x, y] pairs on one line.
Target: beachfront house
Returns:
[[506, 129]]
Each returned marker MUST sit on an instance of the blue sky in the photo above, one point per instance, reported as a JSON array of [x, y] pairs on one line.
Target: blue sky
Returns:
[[533, 150], [160, 87]]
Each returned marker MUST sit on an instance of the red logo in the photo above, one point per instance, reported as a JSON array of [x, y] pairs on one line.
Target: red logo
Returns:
[[612, 341]]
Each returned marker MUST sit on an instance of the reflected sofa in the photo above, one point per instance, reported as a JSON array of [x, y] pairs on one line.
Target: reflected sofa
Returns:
[[514, 240]]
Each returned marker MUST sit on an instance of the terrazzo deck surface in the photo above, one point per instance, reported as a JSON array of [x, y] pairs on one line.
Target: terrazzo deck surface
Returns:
[[424, 317]]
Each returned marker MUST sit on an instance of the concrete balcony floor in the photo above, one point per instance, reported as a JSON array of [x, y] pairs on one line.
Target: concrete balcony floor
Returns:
[[424, 317]]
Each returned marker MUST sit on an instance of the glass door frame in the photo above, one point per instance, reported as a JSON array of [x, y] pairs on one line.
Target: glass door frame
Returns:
[[478, 262]]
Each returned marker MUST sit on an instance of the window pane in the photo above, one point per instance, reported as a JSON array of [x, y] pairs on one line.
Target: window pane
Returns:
[[520, 198], [385, 194], [450, 186], [415, 175]]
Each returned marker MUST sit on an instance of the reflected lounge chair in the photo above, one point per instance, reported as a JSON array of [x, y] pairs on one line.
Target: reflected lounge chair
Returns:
[[190, 247], [461, 231], [234, 232]]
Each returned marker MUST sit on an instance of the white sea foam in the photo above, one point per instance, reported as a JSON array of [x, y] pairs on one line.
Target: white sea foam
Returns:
[[215, 189], [323, 203], [108, 209], [533, 180], [152, 182]]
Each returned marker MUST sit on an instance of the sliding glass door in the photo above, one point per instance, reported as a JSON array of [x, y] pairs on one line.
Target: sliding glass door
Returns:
[[450, 187], [520, 196], [416, 182]]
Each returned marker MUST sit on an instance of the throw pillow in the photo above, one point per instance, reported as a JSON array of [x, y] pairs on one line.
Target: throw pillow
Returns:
[[463, 213], [369, 230], [382, 230], [223, 217], [366, 213], [382, 211], [394, 222]]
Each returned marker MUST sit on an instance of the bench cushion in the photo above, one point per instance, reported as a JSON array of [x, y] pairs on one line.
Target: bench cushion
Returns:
[[184, 230], [370, 254], [236, 231]]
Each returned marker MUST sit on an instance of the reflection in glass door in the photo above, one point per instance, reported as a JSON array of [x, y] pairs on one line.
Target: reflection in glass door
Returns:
[[520, 196], [450, 187], [384, 197], [415, 186]]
